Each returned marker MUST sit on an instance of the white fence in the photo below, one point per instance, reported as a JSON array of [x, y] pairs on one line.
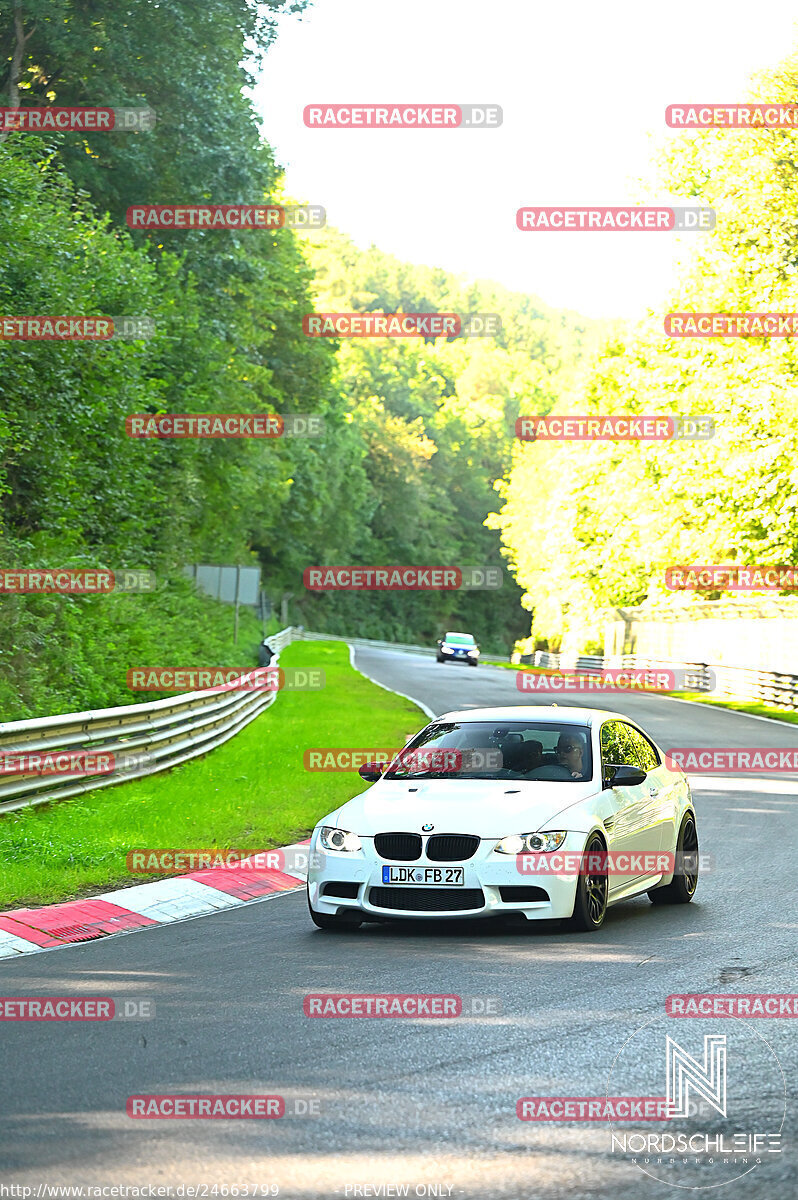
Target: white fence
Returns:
[[142, 738]]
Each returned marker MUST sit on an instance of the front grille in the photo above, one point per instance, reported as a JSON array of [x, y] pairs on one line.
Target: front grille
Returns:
[[519, 894], [346, 891], [451, 847], [419, 899], [401, 847]]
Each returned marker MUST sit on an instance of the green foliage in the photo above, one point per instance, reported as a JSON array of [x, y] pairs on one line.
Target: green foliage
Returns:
[[437, 422], [71, 653], [592, 526], [416, 434]]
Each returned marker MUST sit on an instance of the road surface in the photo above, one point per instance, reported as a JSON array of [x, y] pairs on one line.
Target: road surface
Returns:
[[422, 1103]]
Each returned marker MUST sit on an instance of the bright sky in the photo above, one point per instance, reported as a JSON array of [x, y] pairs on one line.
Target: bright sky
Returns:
[[583, 85]]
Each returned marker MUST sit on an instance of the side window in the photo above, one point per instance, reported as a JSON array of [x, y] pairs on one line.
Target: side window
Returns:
[[616, 749], [645, 754]]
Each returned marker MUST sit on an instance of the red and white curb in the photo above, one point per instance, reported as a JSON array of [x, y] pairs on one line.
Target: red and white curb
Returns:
[[26, 930]]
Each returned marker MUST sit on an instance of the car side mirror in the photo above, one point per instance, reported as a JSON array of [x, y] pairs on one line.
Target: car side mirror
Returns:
[[624, 776], [371, 771]]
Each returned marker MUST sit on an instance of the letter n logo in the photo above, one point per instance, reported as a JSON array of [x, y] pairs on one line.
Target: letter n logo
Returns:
[[684, 1075]]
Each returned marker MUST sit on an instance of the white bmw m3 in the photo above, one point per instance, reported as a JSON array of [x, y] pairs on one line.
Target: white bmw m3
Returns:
[[546, 812]]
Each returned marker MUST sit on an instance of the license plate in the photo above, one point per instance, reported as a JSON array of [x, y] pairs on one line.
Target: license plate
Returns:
[[425, 876]]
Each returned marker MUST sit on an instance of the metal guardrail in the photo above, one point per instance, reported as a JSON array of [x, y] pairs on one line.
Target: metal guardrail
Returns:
[[143, 738], [748, 684], [773, 688]]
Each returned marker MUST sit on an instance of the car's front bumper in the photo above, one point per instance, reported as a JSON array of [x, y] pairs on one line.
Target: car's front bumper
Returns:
[[453, 656], [484, 893]]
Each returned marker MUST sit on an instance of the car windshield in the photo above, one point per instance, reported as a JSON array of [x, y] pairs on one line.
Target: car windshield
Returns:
[[524, 750], [459, 639]]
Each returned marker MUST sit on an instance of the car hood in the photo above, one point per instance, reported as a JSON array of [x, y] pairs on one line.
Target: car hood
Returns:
[[491, 808]]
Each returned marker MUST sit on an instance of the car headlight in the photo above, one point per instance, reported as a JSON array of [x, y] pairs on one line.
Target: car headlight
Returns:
[[339, 839], [531, 843], [475, 652], [445, 646]]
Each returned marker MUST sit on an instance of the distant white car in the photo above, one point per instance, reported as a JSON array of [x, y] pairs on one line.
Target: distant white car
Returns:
[[509, 810]]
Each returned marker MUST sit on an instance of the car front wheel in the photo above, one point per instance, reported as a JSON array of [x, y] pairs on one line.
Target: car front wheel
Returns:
[[590, 903]]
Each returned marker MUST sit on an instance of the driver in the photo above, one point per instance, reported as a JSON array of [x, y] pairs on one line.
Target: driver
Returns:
[[571, 753]]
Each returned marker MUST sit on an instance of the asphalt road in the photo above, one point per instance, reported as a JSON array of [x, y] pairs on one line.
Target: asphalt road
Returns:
[[425, 1103]]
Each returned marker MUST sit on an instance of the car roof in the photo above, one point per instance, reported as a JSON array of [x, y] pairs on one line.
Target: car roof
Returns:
[[540, 713], [454, 633]]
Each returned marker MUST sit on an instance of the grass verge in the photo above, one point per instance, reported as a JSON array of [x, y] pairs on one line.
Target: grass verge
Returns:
[[756, 710], [252, 793]]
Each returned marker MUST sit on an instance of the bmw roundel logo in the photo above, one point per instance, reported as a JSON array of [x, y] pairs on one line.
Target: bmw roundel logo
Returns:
[[426, 828]]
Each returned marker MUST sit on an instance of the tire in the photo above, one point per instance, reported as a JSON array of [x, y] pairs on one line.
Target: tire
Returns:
[[473, 664], [682, 887], [441, 659], [590, 902], [338, 923]]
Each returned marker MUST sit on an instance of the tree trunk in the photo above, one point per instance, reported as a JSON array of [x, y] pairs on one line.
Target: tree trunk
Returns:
[[20, 39]]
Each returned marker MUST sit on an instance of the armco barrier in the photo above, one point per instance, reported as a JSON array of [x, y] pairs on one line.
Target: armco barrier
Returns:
[[164, 733], [774, 688]]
